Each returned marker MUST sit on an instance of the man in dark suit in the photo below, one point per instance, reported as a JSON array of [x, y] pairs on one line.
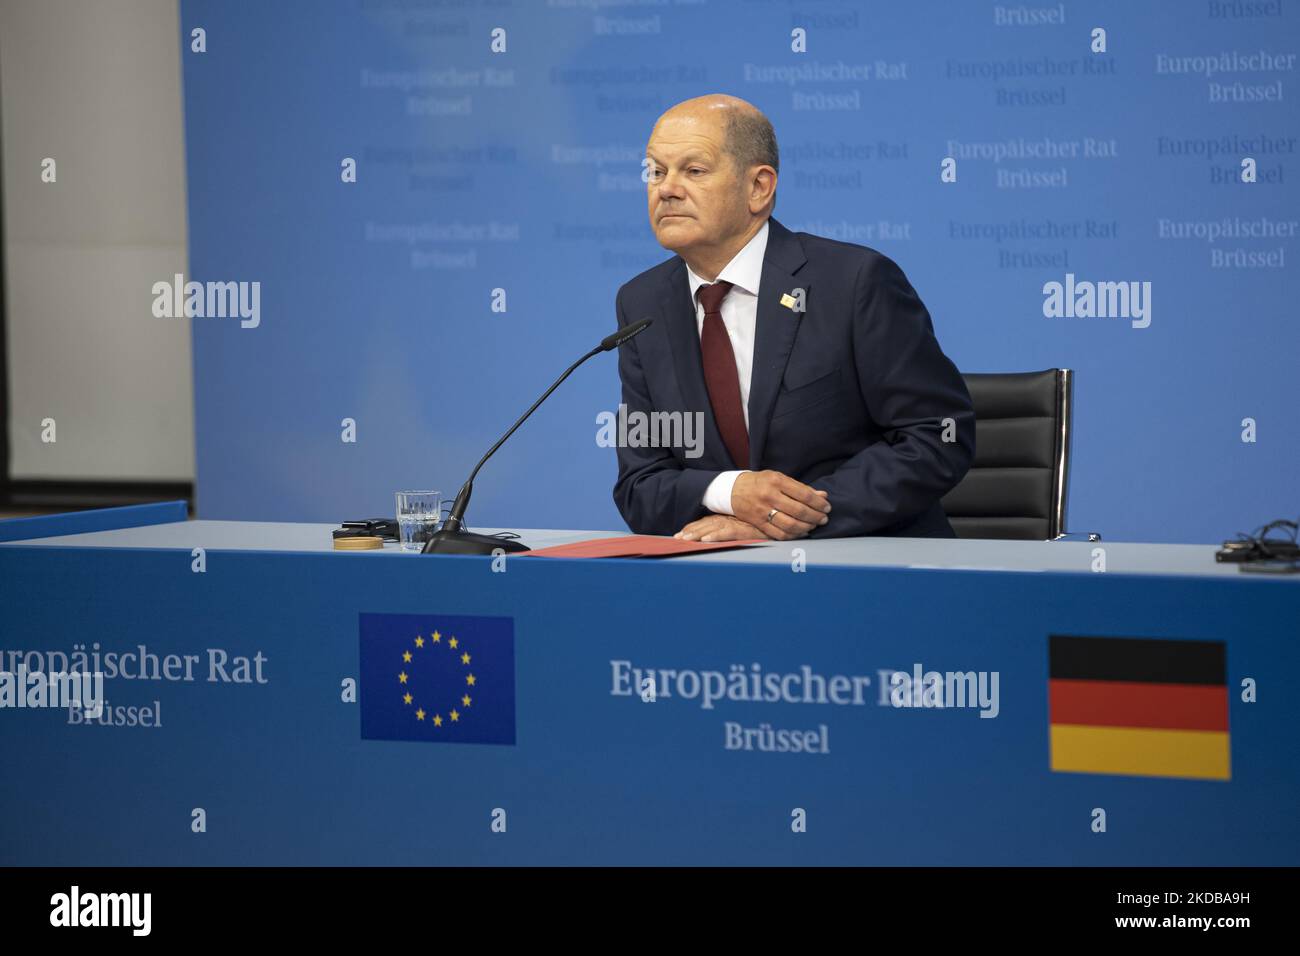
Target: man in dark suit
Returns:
[[827, 407]]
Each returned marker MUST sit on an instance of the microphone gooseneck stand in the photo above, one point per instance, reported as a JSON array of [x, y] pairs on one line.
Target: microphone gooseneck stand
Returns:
[[452, 538]]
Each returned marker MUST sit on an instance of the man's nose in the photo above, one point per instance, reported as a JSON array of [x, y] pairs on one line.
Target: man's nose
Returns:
[[670, 187]]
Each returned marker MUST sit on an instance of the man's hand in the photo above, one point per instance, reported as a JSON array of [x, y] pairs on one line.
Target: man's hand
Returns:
[[719, 528], [799, 507]]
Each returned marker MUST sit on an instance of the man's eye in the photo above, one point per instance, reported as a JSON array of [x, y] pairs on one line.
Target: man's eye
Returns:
[[696, 169]]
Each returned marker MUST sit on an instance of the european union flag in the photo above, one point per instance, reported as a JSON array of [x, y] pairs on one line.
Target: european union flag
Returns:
[[438, 678]]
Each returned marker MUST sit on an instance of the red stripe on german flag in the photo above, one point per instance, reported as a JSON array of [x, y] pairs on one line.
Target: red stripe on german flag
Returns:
[[1139, 706], [1112, 703]]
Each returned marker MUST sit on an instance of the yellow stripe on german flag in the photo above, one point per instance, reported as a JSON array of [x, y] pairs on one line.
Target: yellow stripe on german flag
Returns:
[[1138, 706]]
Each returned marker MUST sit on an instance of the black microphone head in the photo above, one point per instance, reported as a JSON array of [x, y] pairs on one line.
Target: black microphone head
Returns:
[[622, 335]]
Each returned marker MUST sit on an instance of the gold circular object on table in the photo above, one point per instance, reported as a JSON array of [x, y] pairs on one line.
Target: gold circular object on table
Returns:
[[365, 543]]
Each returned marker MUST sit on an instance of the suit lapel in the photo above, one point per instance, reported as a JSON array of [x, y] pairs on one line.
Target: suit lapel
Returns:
[[678, 313], [774, 332], [774, 335]]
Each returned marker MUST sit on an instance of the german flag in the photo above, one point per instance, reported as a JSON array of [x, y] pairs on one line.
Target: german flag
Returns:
[[1147, 708]]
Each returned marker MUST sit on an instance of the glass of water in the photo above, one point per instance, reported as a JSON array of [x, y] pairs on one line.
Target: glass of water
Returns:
[[418, 515]]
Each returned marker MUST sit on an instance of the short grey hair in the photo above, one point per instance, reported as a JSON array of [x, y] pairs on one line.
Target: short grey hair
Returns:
[[751, 141]]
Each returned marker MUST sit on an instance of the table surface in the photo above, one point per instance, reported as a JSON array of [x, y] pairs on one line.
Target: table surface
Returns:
[[956, 554]]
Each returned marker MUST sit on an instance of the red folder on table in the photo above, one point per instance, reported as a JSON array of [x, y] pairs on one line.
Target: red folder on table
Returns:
[[637, 546]]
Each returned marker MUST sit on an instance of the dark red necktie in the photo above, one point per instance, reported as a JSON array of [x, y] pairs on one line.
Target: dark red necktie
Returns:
[[720, 374]]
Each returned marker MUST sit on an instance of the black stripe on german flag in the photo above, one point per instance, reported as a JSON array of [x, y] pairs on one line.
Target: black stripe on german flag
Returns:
[[1138, 659], [1139, 706]]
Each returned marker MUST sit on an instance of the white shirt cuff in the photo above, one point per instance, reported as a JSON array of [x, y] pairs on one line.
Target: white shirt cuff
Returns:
[[717, 497]]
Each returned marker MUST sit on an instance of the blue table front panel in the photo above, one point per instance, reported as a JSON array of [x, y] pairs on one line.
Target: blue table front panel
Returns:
[[283, 776]]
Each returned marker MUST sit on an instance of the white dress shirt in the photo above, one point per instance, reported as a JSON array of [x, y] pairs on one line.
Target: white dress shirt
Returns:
[[740, 317]]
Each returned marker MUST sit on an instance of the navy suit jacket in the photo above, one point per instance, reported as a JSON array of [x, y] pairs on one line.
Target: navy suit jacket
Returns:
[[849, 396]]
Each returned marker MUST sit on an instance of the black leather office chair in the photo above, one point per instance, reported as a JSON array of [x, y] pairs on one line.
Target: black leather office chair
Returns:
[[1018, 484]]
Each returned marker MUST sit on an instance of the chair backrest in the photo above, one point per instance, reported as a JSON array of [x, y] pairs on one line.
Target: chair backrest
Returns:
[[1018, 483]]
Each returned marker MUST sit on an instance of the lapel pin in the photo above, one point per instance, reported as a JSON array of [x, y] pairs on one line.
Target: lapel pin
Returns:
[[788, 301], [794, 302]]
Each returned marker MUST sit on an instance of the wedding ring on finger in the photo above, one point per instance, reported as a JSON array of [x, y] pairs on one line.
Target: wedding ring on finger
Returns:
[[772, 514]]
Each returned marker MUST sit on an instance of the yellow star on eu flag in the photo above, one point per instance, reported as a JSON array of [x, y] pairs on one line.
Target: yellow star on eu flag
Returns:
[[466, 696], [466, 701]]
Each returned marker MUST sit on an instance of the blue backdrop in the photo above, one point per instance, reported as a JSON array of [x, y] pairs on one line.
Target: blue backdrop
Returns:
[[520, 171]]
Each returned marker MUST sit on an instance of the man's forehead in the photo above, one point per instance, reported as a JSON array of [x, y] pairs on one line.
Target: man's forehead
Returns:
[[684, 153], [679, 124], [676, 142]]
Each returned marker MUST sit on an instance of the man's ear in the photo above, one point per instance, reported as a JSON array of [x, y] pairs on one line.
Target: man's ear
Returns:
[[762, 186]]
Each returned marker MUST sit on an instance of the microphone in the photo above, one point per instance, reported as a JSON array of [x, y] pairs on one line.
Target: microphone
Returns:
[[452, 538], [615, 339]]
